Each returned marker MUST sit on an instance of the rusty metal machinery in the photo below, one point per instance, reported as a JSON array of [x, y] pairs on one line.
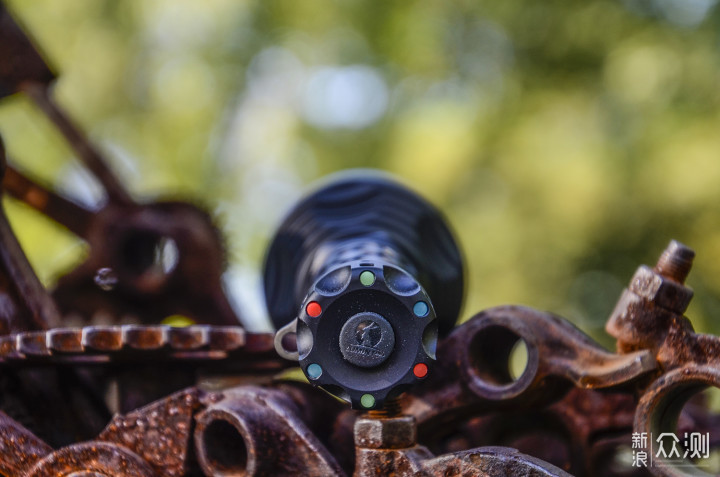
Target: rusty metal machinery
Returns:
[[146, 399]]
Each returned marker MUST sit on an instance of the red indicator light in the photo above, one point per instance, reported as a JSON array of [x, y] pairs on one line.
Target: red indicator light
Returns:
[[420, 370], [313, 309]]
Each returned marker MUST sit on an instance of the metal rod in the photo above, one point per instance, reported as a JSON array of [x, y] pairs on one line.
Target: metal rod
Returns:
[[77, 219], [26, 304], [87, 153]]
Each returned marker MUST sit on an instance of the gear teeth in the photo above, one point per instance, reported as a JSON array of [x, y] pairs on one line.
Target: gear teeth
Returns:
[[189, 338], [228, 338], [204, 342], [65, 340], [145, 337], [32, 344], [102, 338]]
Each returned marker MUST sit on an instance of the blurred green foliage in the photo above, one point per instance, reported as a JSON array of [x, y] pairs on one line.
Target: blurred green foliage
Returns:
[[567, 142]]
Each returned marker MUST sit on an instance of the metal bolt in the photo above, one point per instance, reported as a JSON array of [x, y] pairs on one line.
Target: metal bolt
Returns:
[[675, 262], [392, 408]]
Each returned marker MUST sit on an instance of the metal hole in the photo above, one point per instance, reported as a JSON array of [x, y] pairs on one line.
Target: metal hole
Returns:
[[492, 351], [225, 449]]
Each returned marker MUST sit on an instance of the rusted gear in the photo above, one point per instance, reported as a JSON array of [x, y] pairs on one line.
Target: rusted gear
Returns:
[[124, 236], [237, 428], [132, 342]]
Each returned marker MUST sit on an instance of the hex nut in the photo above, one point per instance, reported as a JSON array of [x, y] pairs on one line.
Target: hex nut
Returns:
[[386, 433], [662, 291]]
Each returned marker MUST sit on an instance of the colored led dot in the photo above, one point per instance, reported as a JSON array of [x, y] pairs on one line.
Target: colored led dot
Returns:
[[420, 370], [314, 371], [177, 321], [313, 309], [421, 309], [367, 401], [367, 278]]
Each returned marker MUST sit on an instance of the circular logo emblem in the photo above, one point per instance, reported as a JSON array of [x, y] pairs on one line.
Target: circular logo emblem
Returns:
[[367, 340], [368, 334]]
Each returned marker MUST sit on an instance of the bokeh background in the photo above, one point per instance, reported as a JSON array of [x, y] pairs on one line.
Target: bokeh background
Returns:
[[567, 142]]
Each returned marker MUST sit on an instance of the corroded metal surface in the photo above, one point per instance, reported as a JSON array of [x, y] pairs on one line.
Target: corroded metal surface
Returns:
[[649, 315], [387, 446], [159, 432], [151, 400], [490, 461], [96, 459], [20, 449], [123, 235], [473, 376], [570, 409], [128, 342], [268, 437]]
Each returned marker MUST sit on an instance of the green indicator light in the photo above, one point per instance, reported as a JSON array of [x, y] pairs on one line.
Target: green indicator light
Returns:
[[367, 401], [367, 278], [421, 309], [314, 371]]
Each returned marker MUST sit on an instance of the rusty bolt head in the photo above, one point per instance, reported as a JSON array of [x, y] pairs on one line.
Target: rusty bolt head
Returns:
[[661, 290], [392, 433]]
